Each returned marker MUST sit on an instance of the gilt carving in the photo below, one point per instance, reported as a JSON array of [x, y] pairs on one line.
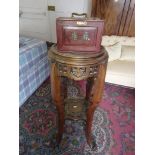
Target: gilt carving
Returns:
[[77, 72]]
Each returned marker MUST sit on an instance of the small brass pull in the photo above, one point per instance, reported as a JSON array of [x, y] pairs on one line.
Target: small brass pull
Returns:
[[81, 23], [74, 106]]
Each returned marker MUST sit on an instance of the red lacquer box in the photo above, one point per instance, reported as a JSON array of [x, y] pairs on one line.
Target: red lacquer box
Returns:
[[79, 34]]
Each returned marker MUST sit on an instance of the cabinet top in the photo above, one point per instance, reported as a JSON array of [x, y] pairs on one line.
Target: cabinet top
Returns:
[[77, 58]]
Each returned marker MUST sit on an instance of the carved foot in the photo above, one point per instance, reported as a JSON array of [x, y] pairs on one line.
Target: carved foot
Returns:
[[92, 144]]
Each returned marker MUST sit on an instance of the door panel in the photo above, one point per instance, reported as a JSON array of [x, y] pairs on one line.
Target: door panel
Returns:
[[34, 19]]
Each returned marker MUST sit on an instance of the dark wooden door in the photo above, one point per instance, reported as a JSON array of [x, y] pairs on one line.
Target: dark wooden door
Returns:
[[119, 16]]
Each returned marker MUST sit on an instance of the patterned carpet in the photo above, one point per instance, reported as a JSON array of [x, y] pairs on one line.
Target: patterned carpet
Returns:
[[113, 125]]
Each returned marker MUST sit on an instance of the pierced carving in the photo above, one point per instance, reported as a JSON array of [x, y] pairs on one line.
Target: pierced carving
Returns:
[[62, 68], [78, 66], [77, 73]]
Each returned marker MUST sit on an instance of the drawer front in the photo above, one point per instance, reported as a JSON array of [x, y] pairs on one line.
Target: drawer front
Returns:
[[79, 35]]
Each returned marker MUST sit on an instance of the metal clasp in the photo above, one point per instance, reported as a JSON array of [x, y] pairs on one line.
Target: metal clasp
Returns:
[[81, 23]]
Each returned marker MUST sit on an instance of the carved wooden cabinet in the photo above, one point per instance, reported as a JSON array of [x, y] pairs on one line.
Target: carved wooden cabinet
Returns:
[[74, 66], [79, 34]]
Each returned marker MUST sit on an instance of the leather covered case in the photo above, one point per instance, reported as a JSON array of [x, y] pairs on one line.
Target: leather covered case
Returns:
[[79, 34]]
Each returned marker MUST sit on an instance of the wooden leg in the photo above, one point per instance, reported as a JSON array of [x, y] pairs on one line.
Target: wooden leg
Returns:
[[58, 101], [97, 92], [61, 122], [89, 85], [90, 113]]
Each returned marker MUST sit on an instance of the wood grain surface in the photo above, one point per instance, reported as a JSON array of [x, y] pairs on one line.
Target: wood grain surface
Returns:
[[119, 16]]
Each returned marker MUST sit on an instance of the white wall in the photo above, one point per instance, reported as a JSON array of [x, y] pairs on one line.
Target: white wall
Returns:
[[70, 6], [38, 22], [64, 8]]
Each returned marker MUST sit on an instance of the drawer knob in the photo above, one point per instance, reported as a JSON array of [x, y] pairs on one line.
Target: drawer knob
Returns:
[[75, 106]]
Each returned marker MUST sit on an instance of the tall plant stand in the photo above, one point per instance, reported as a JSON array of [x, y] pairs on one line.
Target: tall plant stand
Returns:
[[76, 66]]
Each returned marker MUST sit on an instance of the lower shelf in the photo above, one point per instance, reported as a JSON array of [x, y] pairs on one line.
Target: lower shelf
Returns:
[[75, 108]]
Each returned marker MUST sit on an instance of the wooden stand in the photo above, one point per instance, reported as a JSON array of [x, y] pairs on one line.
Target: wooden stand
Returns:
[[75, 66]]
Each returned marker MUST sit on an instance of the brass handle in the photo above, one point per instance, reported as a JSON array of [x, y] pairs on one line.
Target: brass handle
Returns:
[[74, 106], [77, 14]]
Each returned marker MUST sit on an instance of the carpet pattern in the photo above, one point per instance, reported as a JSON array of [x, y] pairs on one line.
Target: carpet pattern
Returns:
[[112, 129]]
